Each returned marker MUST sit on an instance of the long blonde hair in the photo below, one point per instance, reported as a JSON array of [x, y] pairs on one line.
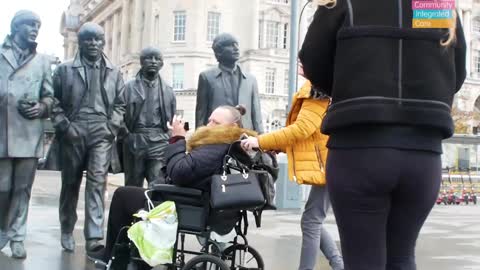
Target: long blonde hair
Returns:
[[327, 3], [451, 31]]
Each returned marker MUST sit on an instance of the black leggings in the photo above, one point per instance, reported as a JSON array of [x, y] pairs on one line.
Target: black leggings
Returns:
[[126, 201], [381, 198]]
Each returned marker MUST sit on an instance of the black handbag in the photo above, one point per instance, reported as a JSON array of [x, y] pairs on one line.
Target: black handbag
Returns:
[[240, 191], [266, 163]]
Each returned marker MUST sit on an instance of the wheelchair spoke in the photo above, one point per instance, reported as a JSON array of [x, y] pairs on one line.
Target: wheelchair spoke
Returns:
[[242, 257]]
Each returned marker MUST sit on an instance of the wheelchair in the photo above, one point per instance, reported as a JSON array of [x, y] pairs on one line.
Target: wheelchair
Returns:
[[194, 217]]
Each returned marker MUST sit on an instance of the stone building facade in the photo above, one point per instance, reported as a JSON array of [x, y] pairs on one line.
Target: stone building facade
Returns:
[[184, 30], [467, 100]]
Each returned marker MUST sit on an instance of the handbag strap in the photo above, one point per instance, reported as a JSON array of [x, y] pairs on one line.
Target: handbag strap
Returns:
[[227, 167], [149, 201]]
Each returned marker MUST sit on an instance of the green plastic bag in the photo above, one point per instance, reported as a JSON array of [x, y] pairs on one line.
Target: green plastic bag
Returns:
[[155, 235]]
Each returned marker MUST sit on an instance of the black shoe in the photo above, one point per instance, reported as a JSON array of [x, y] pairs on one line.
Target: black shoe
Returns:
[[98, 257], [18, 250], [67, 241], [93, 245]]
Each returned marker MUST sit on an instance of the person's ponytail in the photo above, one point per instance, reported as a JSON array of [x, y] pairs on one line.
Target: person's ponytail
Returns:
[[451, 32], [236, 112], [241, 109]]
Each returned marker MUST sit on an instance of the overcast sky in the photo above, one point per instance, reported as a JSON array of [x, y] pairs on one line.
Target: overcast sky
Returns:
[[50, 11]]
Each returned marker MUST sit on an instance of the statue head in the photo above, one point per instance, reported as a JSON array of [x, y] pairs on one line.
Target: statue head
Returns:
[[225, 47], [24, 28], [91, 39], [151, 60]]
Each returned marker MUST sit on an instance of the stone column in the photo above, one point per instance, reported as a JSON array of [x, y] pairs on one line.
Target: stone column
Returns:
[[108, 34], [115, 26], [137, 26], [255, 25], [147, 24], [124, 34], [66, 44], [72, 40]]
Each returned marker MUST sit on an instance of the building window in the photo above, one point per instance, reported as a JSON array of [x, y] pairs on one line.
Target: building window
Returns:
[[260, 35], [476, 25], [285, 35], [213, 25], [177, 76], [285, 84], [476, 62], [270, 81], [179, 25], [273, 35]]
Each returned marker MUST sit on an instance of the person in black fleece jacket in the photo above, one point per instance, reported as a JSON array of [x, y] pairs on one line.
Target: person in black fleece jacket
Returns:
[[392, 88]]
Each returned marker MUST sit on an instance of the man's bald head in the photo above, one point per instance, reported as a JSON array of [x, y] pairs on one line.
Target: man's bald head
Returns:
[[90, 30], [151, 59], [149, 52], [91, 39]]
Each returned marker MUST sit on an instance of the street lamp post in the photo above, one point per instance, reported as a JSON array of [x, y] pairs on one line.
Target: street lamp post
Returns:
[[292, 74]]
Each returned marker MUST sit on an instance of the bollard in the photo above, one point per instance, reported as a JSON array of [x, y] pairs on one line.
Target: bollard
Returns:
[[288, 193]]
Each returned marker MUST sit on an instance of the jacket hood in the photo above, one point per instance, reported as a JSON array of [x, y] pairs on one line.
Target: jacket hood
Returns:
[[216, 135]]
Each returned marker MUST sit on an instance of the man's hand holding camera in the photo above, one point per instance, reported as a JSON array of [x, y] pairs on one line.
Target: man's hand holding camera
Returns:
[[178, 126]]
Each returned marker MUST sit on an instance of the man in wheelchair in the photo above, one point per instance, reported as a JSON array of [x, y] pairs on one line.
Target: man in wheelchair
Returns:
[[189, 164]]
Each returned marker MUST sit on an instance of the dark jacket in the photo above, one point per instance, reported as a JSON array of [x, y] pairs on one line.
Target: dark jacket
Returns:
[[134, 98], [379, 70], [69, 85], [194, 169], [193, 165], [211, 93], [21, 137]]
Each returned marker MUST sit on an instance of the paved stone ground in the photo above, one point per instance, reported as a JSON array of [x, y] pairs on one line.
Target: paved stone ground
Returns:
[[450, 240]]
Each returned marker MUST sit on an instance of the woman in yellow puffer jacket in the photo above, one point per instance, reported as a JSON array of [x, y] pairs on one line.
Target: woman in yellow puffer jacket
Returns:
[[306, 150]]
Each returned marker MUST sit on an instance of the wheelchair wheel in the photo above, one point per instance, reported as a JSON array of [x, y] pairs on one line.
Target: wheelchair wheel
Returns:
[[206, 262], [242, 257]]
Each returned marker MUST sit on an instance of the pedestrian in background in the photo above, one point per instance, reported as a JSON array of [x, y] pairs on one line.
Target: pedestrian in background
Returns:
[[306, 149]]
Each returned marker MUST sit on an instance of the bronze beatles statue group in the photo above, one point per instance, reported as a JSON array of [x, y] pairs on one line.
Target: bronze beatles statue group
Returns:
[[92, 109]]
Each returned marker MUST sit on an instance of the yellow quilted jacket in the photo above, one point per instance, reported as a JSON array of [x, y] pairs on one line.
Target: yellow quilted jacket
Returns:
[[301, 139]]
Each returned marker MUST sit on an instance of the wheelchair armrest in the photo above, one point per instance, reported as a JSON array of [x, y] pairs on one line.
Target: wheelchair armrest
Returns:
[[164, 188]]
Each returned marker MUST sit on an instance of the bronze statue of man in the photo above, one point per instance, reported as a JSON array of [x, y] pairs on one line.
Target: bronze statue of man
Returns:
[[228, 84], [151, 104], [26, 96], [87, 120]]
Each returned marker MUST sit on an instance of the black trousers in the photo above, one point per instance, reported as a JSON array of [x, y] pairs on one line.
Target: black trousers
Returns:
[[126, 201], [381, 198]]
